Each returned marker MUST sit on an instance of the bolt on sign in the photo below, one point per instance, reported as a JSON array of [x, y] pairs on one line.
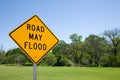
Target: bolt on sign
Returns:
[[34, 38]]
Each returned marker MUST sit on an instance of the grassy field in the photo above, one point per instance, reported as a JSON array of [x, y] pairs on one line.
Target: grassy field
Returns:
[[58, 73]]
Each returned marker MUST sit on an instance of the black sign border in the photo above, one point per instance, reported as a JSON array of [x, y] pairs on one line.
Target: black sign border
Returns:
[[21, 46]]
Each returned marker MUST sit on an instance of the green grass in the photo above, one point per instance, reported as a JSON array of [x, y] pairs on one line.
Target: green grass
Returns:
[[58, 73]]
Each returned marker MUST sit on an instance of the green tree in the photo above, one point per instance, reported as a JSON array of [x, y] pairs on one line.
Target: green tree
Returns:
[[60, 48], [95, 48], [75, 47], [2, 55], [75, 38], [49, 60], [60, 52], [113, 37], [16, 56]]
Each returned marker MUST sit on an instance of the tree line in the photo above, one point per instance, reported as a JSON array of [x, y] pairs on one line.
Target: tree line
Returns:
[[95, 51]]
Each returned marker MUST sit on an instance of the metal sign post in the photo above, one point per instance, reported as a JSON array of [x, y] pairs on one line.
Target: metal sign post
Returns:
[[34, 71]]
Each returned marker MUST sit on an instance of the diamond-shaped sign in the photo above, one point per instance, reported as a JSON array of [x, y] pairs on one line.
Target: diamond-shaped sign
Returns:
[[34, 38]]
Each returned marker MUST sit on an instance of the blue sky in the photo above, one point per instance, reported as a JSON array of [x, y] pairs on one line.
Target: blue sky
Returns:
[[63, 17]]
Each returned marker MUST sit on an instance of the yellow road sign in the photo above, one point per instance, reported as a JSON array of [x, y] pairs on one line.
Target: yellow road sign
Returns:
[[34, 38]]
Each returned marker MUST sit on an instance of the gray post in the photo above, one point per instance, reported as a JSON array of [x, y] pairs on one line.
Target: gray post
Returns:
[[34, 71]]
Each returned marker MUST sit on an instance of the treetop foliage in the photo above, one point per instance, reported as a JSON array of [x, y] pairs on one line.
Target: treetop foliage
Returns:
[[93, 51]]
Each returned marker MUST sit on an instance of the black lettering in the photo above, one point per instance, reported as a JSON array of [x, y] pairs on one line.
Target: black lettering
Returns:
[[25, 44], [31, 36], [33, 27], [44, 46], [30, 46], [28, 26], [40, 37], [39, 46], [35, 46], [36, 36], [38, 28], [42, 29]]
